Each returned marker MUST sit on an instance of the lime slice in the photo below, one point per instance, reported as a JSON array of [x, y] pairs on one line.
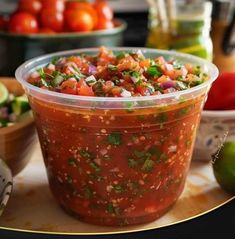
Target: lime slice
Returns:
[[3, 94], [20, 105]]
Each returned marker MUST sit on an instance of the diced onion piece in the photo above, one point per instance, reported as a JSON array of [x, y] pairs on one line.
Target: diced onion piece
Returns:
[[35, 74], [184, 72], [91, 80], [51, 67], [125, 93], [169, 67]]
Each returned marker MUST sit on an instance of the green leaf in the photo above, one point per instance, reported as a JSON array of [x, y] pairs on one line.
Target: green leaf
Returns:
[[112, 67], [55, 60], [119, 188], [162, 118], [154, 151], [132, 163], [95, 166], [154, 71], [115, 138], [107, 157], [148, 165], [72, 162], [41, 73], [139, 154], [121, 55], [85, 154], [135, 74], [88, 192]]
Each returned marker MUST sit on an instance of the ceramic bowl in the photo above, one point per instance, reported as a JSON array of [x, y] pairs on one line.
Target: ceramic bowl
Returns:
[[215, 129], [5, 185], [16, 142]]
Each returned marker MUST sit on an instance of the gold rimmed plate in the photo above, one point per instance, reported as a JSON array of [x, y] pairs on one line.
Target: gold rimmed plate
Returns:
[[33, 209], [5, 185]]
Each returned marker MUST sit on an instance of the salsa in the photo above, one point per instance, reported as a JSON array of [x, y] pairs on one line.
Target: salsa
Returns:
[[123, 75], [116, 166]]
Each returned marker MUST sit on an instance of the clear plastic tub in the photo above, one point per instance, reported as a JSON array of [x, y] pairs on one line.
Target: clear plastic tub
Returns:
[[117, 161]]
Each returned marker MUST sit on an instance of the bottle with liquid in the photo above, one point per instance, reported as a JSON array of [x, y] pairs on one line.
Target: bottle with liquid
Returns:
[[181, 25]]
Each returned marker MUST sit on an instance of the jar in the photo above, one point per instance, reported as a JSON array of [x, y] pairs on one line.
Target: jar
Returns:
[[181, 25]]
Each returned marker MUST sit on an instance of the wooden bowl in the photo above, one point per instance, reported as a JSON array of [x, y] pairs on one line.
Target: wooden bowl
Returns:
[[17, 141]]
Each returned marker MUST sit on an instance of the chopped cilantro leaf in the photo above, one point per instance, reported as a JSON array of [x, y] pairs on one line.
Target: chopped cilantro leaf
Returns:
[[115, 138], [112, 67], [85, 154], [132, 163], [154, 71], [88, 192], [148, 165]]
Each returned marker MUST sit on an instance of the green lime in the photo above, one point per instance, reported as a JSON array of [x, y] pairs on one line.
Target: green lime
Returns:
[[3, 94], [224, 167]]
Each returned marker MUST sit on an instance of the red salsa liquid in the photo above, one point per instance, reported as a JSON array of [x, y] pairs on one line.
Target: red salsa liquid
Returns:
[[117, 167]]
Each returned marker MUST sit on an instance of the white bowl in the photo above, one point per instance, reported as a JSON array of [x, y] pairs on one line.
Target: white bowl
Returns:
[[216, 128], [5, 185]]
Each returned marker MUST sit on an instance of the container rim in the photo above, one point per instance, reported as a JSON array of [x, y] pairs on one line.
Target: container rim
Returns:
[[212, 70], [119, 26], [218, 113]]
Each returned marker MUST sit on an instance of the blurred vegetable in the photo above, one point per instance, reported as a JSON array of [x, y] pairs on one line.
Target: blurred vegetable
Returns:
[[222, 93], [224, 167], [12, 108], [30, 6], [78, 20], [56, 16], [52, 19], [57, 5], [23, 22]]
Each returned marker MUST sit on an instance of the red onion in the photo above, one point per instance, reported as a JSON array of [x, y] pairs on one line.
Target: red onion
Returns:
[[4, 112], [92, 69], [168, 84]]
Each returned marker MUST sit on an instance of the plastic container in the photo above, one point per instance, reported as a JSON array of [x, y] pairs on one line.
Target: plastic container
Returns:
[[117, 161]]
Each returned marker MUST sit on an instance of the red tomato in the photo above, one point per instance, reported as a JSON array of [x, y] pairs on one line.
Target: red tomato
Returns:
[[103, 9], [173, 74], [46, 30], [69, 87], [104, 24], [71, 5], [50, 18], [57, 5], [222, 93], [78, 20], [85, 90], [3, 23], [23, 22], [30, 6]]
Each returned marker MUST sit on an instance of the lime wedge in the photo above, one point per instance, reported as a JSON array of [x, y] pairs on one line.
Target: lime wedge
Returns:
[[3, 94], [20, 105]]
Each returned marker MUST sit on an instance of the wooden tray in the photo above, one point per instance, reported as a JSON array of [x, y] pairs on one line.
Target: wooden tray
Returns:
[[33, 209]]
